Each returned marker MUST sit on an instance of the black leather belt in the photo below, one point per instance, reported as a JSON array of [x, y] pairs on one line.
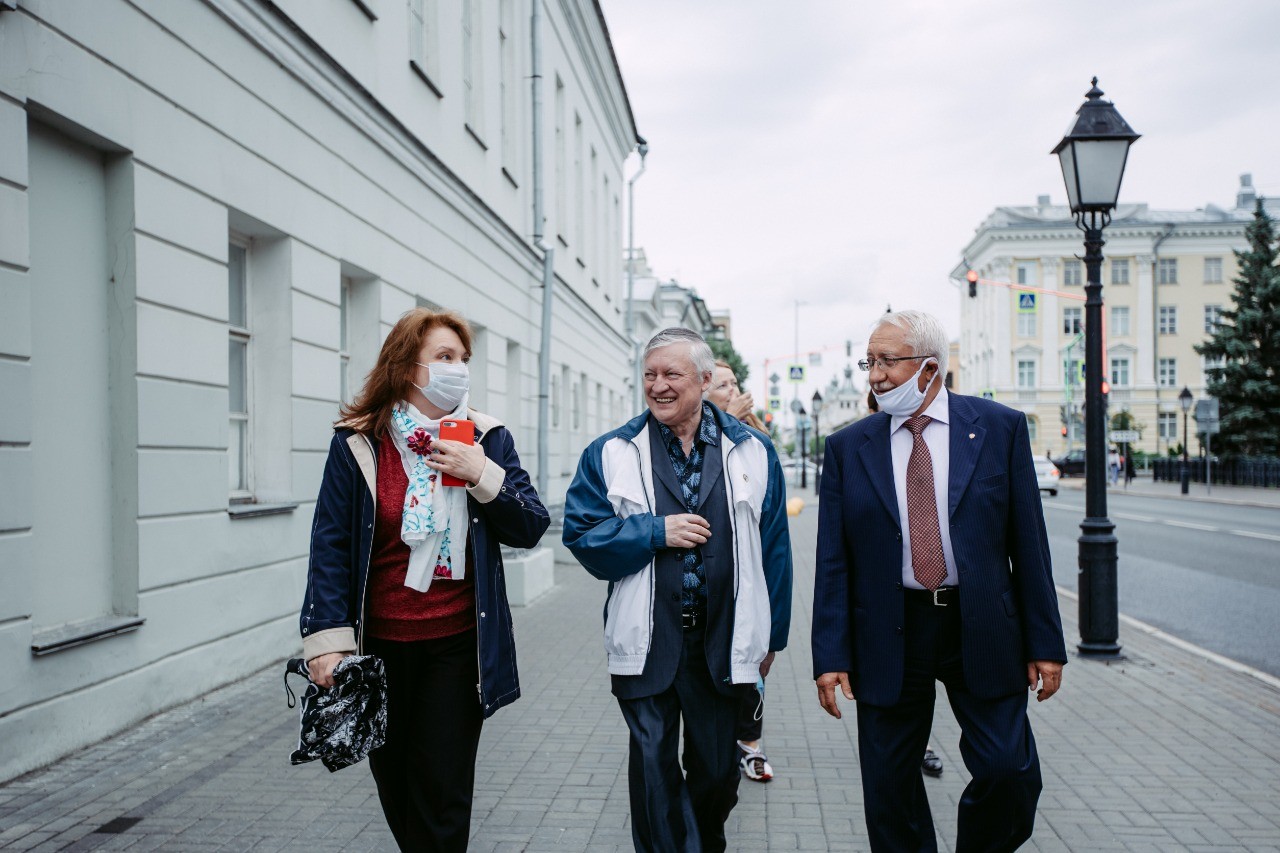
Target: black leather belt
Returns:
[[692, 618], [943, 596]]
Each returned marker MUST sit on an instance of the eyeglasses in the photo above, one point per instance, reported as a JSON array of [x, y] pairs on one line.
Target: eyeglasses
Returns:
[[887, 362]]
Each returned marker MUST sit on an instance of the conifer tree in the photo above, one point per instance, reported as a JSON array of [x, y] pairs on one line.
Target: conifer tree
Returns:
[[1247, 345]]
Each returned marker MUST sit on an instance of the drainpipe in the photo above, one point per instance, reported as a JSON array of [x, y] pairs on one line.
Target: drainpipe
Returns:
[[1155, 317], [548, 259], [643, 148]]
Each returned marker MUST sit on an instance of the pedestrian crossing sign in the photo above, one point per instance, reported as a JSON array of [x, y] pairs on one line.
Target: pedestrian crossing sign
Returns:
[[775, 404], [1026, 303], [797, 372]]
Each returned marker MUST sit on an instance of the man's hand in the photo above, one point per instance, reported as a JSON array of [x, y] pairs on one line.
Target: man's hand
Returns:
[[766, 664], [827, 691], [1046, 673], [687, 530], [741, 405]]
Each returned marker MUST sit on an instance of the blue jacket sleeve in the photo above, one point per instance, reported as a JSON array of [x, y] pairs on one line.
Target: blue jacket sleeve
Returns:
[[775, 547], [1030, 564], [832, 634], [328, 600], [608, 547], [516, 516]]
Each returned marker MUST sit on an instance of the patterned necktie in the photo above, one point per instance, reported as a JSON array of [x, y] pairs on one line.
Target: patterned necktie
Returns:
[[927, 560]]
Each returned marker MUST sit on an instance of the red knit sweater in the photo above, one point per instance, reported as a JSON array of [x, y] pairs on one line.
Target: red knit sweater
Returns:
[[396, 612]]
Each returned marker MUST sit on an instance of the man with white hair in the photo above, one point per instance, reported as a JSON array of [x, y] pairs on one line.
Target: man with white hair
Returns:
[[933, 565], [683, 511]]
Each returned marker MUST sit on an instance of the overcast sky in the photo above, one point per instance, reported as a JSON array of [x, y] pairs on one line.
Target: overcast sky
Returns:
[[842, 152]]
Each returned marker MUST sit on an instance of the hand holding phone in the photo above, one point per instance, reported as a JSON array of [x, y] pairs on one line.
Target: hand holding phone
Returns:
[[461, 431]]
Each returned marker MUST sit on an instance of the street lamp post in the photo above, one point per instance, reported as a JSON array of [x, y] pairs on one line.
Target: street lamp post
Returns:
[[802, 425], [816, 403], [1092, 156], [1185, 399]]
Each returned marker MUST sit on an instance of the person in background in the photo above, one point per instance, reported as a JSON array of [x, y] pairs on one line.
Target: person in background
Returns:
[[728, 396], [409, 569], [683, 511]]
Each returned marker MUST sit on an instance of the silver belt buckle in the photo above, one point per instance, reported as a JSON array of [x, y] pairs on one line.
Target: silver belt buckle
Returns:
[[936, 602]]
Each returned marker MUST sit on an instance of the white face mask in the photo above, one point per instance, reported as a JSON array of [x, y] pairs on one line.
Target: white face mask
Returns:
[[907, 397], [449, 383]]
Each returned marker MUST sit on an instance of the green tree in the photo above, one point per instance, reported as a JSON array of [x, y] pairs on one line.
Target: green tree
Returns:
[[723, 350], [1125, 420], [1247, 345]]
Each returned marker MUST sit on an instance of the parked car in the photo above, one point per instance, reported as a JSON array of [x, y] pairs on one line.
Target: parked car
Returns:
[[1071, 464], [1047, 475]]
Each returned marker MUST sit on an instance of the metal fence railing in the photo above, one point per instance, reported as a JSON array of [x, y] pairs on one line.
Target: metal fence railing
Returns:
[[1261, 471]]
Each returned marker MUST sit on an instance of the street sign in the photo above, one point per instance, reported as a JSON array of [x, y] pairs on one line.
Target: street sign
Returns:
[[1207, 416], [815, 359], [988, 394], [773, 390], [796, 406], [1124, 436], [796, 372], [775, 404], [775, 378], [1026, 303]]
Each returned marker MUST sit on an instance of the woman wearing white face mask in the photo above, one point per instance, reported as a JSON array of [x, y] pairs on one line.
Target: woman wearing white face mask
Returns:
[[409, 569]]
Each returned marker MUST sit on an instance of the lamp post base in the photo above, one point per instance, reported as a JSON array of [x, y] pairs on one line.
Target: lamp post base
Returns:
[[1097, 588]]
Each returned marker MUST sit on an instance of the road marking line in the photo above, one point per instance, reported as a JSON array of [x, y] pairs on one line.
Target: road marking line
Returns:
[[1192, 526], [1254, 535], [1152, 630], [1148, 519]]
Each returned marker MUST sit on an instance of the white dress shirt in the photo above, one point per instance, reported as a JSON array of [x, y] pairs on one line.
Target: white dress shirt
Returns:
[[937, 435]]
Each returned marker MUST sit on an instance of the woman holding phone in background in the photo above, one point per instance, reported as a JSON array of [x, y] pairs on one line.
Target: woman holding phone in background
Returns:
[[408, 568]]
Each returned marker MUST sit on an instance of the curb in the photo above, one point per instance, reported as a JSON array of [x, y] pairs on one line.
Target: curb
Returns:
[[1213, 657], [1070, 483]]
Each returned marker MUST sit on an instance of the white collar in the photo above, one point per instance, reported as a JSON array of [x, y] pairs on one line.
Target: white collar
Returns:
[[938, 410]]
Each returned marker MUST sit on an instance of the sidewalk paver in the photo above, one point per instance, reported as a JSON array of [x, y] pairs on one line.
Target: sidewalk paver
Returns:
[[1160, 750]]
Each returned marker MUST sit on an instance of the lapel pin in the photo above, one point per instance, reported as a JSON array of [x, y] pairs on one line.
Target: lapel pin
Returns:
[[971, 435]]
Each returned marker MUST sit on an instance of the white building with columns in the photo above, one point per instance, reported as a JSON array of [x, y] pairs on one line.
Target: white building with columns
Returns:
[[211, 213], [1166, 275]]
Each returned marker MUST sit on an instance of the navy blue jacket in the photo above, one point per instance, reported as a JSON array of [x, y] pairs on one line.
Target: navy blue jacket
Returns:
[[1007, 598], [332, 616]]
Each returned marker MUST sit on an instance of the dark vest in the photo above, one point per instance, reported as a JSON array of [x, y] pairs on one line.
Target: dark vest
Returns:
[[717, 561]]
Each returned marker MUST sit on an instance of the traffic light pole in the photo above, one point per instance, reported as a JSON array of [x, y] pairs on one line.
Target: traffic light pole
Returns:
[[1099, 618]]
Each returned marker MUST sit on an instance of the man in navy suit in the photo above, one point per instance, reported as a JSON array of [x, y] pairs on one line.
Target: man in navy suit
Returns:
[[933, 565]]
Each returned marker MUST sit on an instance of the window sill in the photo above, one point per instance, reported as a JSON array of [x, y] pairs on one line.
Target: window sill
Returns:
[[422, 74], [563, 241], [69, 636], [510, 178], [249, 510], [368, 11], [581, 263], [471, 131]]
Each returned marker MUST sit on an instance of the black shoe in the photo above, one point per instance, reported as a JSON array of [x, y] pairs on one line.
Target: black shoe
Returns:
[[932, 764]]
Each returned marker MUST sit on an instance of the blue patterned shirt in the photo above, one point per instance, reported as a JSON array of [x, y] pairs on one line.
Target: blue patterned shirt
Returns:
[[688, 471]]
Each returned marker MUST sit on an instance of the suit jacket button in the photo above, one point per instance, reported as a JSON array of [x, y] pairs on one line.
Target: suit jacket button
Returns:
[[898, 630], [675, 596], [899, 584]]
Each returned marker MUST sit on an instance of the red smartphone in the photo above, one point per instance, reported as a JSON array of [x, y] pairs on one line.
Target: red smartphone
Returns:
[[463, 431]]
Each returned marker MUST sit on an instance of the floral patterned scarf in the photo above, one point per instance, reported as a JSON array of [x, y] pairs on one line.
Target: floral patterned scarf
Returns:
[[434, 520]]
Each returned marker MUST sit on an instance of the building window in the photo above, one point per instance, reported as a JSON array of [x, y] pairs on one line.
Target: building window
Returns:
[[1024, 274], [1167, 426], [1033, 428], [1026, 374], [1213, 270], [1119, 319], [472, 69], [1072, 272], [507, 94], [238, 313], [344, 340], [555, 401], [1212, 317], [1210, 367], [562, 217], [1168, 319], [1167, 271], [1167, 374], [576, 406], [579, 212], [1027, 325], [1072, 321], [1073, 371], [424, 53], [1120, 372], [594, 222], [1120, 271]]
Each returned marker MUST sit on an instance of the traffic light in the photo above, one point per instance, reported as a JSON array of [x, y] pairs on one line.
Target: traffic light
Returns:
[[768, 419], [972, 275], [1064, 430]]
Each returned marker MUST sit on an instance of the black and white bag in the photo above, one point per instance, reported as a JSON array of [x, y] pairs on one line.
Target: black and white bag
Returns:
[[340, 726]]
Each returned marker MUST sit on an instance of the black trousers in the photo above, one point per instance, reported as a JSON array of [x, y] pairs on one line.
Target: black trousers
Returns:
[[426, 770], [750, 714], [674, 811], [998, 807]]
